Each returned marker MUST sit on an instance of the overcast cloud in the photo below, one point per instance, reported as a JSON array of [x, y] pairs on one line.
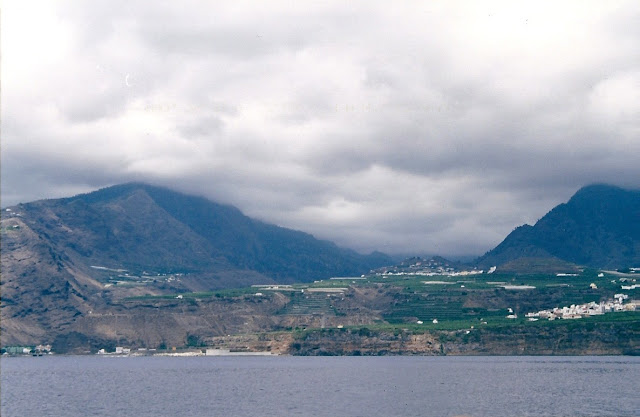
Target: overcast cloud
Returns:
[[422, 127]]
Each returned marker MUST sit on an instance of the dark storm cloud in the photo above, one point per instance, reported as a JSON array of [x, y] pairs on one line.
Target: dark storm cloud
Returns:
[[405, 127]]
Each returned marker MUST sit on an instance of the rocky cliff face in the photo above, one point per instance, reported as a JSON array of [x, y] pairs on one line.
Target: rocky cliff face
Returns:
[[364, 342], [41, 289]]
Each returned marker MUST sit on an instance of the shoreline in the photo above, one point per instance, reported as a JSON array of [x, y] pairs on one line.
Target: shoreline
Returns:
[[196, 355]]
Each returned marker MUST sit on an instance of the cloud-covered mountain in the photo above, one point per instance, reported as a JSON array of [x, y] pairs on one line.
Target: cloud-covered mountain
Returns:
[[140, 227], [66, 258], [354, 124], [598, 227]]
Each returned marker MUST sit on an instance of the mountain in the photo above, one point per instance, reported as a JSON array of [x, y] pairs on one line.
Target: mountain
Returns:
[[63, 258], [139, 227], [598, 227]]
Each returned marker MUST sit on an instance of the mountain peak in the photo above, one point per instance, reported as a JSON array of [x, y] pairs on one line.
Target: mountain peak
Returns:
[[598, 227], [599, 192], [137, 226], [108, 193]]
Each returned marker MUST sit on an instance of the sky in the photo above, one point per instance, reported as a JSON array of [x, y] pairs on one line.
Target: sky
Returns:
[[432, 127]]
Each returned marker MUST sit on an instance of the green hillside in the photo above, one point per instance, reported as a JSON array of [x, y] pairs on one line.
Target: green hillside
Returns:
[[598, 227]]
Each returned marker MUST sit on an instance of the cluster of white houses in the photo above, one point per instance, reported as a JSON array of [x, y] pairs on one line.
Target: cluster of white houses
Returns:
[[584, 310], [440, 272]]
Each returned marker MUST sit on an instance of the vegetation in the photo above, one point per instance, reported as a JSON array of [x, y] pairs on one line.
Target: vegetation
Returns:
[[597, 227], [469, 310]]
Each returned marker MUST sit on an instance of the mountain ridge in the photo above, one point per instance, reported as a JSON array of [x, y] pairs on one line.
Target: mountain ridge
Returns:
[[167, 229], [63, 259], [598, 227]]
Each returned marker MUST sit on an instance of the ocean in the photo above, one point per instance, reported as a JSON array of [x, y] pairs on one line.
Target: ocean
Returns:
[[75, 386]]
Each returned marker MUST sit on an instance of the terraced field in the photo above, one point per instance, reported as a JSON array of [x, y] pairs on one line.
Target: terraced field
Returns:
[[426, 307], [308, 304]]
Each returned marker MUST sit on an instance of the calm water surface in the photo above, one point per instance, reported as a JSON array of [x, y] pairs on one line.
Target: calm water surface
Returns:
[[319, 386]]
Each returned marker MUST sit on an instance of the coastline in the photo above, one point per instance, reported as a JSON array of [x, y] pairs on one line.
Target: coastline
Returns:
[[571, 338]]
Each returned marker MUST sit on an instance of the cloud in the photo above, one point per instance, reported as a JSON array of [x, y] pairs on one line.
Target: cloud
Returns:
[[433, 128]]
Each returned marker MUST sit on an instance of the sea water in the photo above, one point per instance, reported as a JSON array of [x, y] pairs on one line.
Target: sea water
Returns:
[[75, 386]]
